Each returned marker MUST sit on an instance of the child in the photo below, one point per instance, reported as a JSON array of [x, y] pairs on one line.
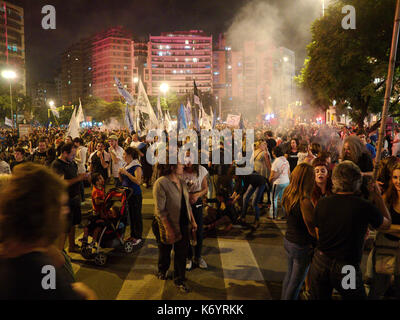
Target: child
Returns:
[[96, 221]]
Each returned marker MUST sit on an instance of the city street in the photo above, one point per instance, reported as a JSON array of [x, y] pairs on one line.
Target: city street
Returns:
[[241, 265]]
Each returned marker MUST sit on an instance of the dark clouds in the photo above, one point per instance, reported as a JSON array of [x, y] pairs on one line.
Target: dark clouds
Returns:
[[80, 18]]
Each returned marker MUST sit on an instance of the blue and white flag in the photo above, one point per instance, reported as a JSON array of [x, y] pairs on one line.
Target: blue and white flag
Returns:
[[123, 92], [188, 113], [214, 118], [8, 122], [182, 119], [55, 111], [128, 119]]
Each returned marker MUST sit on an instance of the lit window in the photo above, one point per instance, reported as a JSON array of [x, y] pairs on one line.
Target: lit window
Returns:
[[160, 53], [229, 67], [186, 41], [187, 47], [195, 60], [216, 73]]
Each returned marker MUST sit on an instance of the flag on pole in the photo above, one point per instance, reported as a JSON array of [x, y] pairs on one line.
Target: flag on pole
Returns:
[[159, 112], [128, 119], [188, 113], [123, 92], [8, 122], [196, 121], [80, 116], [214, 118], [196, 95], [55, 112], [73, 127], [241, 124], [144, 105], [181, 119]]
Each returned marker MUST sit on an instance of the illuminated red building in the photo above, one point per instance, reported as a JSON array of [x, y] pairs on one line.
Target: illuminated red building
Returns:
[[113, 55], [178, 58]]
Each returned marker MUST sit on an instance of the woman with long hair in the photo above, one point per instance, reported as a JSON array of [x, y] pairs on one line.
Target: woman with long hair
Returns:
[[300, 234], [173, 219], [388, 243], [355, 150], [323, 182]]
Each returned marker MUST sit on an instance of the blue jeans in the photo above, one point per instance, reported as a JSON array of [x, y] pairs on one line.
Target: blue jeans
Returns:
[[277, 192], [246, 199], [299, 259]]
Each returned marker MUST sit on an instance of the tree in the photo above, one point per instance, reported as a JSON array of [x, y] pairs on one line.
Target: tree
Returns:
[[350, 66]]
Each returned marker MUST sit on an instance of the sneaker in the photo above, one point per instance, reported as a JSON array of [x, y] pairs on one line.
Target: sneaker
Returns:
[[201, 263], [189, 264], [137, 242], [183, 288]]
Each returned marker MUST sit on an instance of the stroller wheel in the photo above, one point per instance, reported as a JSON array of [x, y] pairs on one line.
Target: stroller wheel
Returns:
[[128, 246], [86, 252], [100, 259]]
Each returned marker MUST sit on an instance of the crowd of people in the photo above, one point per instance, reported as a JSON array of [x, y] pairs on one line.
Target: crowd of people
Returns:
[[317, 179]]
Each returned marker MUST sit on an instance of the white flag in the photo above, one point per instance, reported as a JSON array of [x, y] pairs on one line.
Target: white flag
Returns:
[[123, 92], [8, 122], [79, 116], [144, 105], [73, 127]]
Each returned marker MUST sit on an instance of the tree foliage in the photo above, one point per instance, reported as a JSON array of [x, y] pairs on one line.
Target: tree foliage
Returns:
[[350, 66]]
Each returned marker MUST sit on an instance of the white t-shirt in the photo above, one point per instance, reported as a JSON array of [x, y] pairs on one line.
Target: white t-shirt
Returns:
[[396, 146], [196, 187], [115, 166], [135, 144], [282, 168], [82, 155]]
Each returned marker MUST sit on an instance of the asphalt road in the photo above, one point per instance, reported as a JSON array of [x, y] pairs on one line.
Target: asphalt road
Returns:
[[242, 264]]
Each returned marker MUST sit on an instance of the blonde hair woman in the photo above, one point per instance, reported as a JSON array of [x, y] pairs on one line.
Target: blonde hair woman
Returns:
[[300, 232]]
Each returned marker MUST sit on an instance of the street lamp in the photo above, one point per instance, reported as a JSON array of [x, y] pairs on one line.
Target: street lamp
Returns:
[[9, 75], [164, 87], [135, 79], [51, 103]]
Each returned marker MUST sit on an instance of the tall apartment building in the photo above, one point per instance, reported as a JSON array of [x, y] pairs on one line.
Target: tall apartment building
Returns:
[[113, 55], [178, 58], [42, 92], [12, 42], [75, 72]]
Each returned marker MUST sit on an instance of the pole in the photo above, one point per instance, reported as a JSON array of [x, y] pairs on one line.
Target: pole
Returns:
[[389, 83], [12, 118]]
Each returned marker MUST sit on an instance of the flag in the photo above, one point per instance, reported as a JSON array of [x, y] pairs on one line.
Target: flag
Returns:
[[144, 105], [181, 119], [214, 118], [72, 118], [128, 119], [159, 112], [196, 121], [73, 127], [123, 92], [55, 111], [79, 116], [241, 124], [188, 113], [196, 95], [8, 122]]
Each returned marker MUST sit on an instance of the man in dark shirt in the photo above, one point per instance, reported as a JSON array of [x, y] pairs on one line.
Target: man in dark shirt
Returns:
[[65, 166], [341, 222], [271, 143], [41, 156], [19, 156]]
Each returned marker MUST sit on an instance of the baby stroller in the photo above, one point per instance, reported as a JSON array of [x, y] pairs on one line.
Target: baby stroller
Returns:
[[113, 227]]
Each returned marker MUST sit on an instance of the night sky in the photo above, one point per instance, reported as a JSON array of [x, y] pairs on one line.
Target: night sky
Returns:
[[80, 18]]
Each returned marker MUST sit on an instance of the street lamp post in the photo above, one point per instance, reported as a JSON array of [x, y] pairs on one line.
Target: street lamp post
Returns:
[[9, 75]]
